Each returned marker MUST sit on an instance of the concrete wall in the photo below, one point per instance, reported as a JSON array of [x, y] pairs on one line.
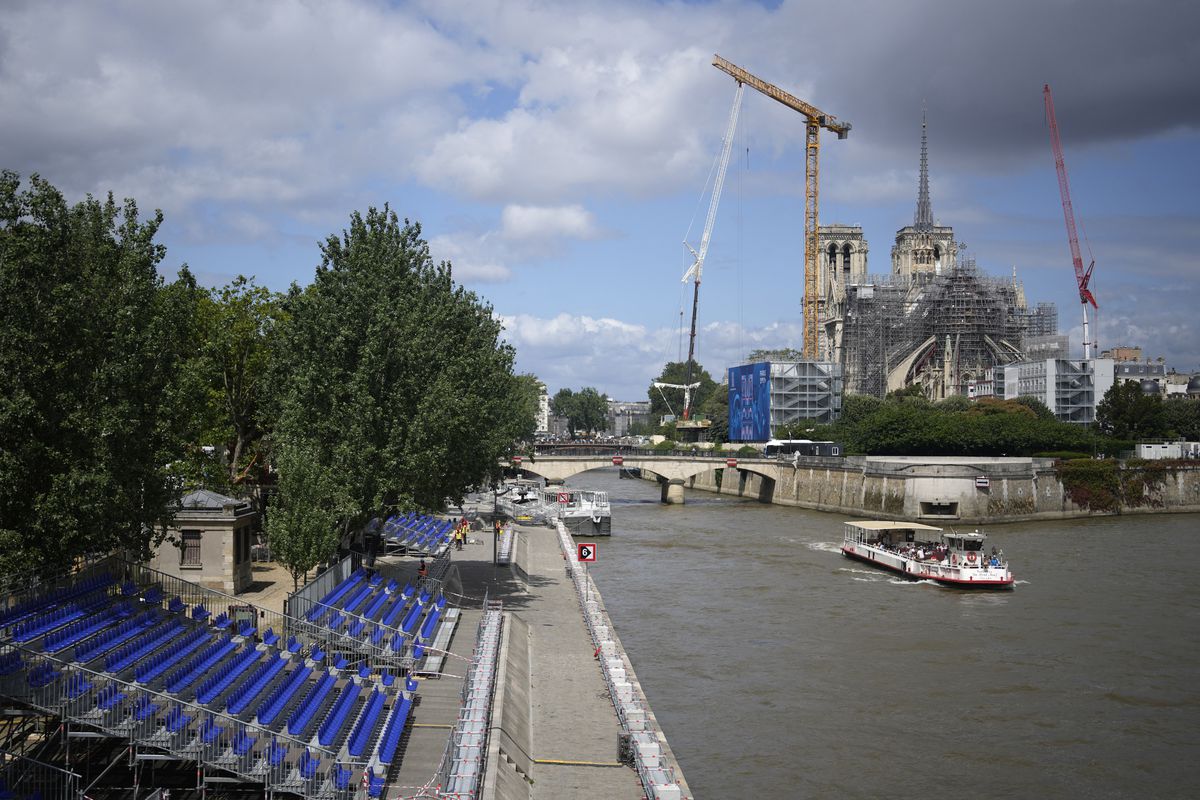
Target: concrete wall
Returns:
[[933, 489]]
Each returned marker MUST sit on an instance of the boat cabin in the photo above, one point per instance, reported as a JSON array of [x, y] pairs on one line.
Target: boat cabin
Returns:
[[890, 535]]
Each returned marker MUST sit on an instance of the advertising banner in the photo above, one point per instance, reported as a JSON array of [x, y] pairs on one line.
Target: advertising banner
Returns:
[[750, 402]]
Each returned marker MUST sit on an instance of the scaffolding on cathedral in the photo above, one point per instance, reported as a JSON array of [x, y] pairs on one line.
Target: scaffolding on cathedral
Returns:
[[941, 331]]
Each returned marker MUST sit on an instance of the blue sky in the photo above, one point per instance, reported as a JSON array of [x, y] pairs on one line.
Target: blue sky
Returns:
[[557, 152]]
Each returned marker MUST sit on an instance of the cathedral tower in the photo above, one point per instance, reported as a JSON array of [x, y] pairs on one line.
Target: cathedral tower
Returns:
[[924, 247]]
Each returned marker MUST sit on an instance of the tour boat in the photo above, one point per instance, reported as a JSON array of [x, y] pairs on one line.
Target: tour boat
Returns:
[[583, 512], [923, 552]]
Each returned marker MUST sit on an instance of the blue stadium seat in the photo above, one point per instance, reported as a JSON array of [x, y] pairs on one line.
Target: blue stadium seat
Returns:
[[361, 735], [395, 728], [272, 707], [328, 732], [244, 695], [304, 713]]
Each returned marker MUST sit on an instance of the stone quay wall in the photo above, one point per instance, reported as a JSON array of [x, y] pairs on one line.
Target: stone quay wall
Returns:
[[945, 488]]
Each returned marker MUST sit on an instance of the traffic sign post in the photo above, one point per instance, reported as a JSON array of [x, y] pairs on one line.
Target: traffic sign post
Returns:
[[586, 551]]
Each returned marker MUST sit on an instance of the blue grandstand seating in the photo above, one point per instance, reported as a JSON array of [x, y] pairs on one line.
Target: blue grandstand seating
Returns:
[[375, 782], [271, 708], [308, 765], [244, 695], [190, 672], [106, 640], [395, 728], [301, 718], [167, 657], [224, 677], [336, 719], [137, 649], [360, 736]]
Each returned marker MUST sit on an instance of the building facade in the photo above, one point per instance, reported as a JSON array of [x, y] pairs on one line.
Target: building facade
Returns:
[[766, 396], [209, 542], [1071, 388]]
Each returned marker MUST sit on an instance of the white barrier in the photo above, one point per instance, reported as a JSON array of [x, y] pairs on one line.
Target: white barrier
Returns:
[[658, 779]]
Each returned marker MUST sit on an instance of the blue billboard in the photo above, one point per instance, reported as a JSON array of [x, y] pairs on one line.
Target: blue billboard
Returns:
[[750, 402]]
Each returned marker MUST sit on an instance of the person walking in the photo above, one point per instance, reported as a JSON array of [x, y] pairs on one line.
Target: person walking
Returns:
[[422, 570]]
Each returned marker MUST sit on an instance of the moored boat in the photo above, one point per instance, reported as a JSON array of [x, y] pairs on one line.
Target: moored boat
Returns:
[[923, 552], [583, 512]]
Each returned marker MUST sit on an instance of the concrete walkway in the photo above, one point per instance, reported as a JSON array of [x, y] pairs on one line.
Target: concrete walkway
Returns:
[[572, 724]]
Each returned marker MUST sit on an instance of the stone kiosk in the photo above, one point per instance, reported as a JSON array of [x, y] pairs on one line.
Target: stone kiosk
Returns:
[[211, 542]]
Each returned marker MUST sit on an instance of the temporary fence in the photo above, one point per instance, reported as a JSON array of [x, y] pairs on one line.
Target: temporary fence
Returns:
[[657, 776]]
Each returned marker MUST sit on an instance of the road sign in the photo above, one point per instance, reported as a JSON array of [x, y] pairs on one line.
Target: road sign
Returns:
[[731, 462], [587, 552], [516, 459], [564, 497], [618, 461], [982, 482]]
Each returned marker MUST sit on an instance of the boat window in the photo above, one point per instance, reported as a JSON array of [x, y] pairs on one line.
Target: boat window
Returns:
[[973, 544]]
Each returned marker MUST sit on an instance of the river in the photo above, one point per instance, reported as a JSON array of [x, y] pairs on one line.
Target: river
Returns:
[[778, 668]]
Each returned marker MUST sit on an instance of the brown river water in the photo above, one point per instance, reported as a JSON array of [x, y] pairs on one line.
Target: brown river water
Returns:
[[779, 668]]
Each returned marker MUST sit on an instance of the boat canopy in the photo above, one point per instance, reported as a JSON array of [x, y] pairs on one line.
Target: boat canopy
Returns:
[[888, 525]]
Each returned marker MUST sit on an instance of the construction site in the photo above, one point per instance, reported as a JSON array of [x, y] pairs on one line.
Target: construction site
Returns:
[[935, 320]]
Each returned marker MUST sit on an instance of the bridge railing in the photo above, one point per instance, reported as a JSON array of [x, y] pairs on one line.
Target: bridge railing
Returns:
[[607, 451]]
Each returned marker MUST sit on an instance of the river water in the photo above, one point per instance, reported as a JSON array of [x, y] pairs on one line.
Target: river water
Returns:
[[778, 668]]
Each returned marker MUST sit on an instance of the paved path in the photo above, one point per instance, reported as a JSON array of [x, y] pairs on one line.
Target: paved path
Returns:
[[572, 717]]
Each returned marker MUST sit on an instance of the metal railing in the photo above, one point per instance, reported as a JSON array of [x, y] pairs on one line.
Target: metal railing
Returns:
[[460, 775], [152, 719], [22, 776]]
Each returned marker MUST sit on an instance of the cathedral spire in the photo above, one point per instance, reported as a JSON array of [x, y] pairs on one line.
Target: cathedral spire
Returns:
[[923, 219]]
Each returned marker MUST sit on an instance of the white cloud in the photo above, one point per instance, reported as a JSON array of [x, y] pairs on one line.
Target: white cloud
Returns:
[[544, 222], [621, 358], [473, 257]]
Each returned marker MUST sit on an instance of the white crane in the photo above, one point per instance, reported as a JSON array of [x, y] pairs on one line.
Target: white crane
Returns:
[[687, 394], [696, 270]]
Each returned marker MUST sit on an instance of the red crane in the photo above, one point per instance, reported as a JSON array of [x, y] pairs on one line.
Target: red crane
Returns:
[[1082, 276]]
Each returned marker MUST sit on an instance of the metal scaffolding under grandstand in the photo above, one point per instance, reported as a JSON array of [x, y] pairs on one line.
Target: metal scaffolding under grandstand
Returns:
[[938, 330], [149, 680]]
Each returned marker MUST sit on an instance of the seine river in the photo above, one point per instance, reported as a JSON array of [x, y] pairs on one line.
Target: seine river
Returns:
[[778, 668]]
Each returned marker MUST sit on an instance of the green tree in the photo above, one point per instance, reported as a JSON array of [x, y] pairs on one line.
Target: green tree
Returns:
[[716, 410], [1182, 417], [309, 503], [94, 409], [670, 401], [394, 379], [1128, 413], [586, 410]]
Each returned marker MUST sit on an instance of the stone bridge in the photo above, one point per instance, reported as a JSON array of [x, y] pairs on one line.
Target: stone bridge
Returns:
[[671, 470]]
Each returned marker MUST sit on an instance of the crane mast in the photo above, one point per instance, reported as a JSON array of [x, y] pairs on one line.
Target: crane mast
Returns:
[[815, 119], [695, 271], [1082, 276]]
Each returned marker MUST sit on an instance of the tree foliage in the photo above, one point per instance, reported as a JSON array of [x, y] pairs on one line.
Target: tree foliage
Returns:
[[907, 425], [94, 407], [670, 401], [307, 507], [586, 411], [1182, 417], [1127, 412], [235, 327], [390, 376]]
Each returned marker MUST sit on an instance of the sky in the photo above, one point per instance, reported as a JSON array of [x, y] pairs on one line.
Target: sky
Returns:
[[558, 153]]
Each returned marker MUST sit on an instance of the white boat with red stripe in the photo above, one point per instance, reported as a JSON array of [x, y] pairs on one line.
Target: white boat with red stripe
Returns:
[[923, 552]]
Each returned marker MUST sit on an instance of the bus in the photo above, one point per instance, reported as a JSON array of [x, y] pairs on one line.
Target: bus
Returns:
[[804, 447]]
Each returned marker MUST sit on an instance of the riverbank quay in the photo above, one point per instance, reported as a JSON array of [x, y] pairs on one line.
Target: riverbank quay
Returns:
[[554, 730], [960, 489]]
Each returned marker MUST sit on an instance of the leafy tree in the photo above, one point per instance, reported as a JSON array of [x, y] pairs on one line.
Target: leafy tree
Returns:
[[1128, 413], [390, 376], [1182, 417], [302, 525], [527, 391], [92, 348], [716, 410], [585, 410], [1039, 409], [670, 401]]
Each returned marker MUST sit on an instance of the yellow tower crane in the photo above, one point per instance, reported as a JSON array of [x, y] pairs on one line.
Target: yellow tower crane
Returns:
[[816, 119]]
